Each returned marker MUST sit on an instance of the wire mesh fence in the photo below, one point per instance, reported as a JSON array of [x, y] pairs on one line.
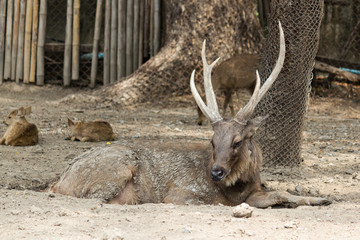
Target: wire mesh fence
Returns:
[[143, 18]]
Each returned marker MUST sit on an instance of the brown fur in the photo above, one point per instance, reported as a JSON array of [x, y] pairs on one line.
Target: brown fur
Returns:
[[20, 132], [231, 75], [91, 131]]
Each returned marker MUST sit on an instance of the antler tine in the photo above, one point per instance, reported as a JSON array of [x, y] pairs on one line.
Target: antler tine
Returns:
[[258, 94], [209, 91], [211, 111]]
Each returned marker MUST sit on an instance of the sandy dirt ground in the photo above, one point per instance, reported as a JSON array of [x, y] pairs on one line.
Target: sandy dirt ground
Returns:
[[331, 169]]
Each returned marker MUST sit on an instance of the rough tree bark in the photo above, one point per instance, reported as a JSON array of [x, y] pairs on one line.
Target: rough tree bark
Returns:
[[229, 26]]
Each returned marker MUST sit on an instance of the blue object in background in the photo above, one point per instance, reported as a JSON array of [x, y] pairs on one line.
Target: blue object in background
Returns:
[[354, 71], [89, 56]]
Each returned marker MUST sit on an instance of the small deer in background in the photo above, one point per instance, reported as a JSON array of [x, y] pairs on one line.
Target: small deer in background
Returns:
[[94, 131], [235, 73], [227, 171], [20, 132]]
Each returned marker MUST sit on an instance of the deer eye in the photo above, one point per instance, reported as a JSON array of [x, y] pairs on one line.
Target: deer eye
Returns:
[[237, 144]]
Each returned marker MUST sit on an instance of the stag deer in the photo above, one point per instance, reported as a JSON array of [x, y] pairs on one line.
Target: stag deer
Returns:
[[235, 73], [20, 132], [227, 171]]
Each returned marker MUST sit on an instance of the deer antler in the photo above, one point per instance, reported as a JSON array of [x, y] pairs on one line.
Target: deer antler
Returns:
[[211, 111], [258, 94]]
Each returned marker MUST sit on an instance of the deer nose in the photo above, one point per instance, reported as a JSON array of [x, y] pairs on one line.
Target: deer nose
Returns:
[[217, 174]]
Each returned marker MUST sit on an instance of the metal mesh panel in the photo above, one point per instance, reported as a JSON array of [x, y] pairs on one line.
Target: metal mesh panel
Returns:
[[287, 100], [55, 38]]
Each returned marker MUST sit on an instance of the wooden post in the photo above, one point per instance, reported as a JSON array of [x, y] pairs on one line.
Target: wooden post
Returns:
[[113, 42], [67, 50], [141, 33], [34, 41], [15, 39], [107, 42], [147, 28], [40, 77], [94, 61], [9, 22], [129, 36], [76, 41], [27, 44], [121, 61], [151, 37], [20, 52], [136, 34], [157, 23], [2, 37]]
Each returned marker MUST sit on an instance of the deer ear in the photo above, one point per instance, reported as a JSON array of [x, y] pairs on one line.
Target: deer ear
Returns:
[[253, 125], [70, 123], [27, 110]]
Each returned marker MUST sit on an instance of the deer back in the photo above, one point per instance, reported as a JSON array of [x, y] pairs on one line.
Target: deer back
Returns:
[[236, 73], [92, 131]]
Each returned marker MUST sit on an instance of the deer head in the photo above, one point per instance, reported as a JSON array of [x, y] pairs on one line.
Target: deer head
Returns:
[[235, 155]]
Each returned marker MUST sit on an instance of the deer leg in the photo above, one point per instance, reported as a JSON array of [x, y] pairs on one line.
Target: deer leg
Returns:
[[2, 141], [231, 105], [226, 102], [268, 199], [201, 117]]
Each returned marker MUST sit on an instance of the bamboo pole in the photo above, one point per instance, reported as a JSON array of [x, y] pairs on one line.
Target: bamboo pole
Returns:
[[76, 41], [2, 37], [107, 33], [27, 43], [129, 36], [151, 37], [141, 33], [146, 28], [113, 42], [40, 71], [20, 52], [136, 34], [67, 50], [8, 43], [34, 41], [121, 61], [94, 61], [157, 23], [15, 39]]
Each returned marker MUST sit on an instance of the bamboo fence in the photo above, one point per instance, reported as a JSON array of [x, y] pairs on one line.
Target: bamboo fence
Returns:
[[107, 33], [94, 61], [2, 37], [131, 36], [76, 41], [20, 53], [34, 40], [15, 39], [8, 43], [40, 71], [68, 40]]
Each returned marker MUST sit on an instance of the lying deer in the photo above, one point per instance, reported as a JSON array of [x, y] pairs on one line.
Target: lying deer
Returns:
[[236, 73], [91, 131], [227, 171], [20, 132]]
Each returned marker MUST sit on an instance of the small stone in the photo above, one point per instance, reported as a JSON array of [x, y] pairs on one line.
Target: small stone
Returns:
[[243, 211], [291, 225]]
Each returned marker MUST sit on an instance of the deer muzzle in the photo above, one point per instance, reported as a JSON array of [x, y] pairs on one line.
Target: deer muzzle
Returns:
[[217, 174]]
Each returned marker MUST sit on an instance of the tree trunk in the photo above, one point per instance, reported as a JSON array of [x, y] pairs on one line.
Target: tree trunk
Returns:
[[230, 27]]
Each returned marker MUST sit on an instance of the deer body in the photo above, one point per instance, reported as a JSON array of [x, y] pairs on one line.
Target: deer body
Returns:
[[231, 75], [94, 131], [20, 132], [227, 171]]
